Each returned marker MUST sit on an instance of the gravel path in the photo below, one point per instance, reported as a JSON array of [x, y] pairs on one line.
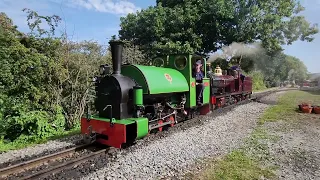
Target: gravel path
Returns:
[[171, 155], [297, 153], [272, 99], [39, 149]]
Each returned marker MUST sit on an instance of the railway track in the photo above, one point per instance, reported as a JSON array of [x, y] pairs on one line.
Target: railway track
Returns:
[[22, 170], [24, 167]]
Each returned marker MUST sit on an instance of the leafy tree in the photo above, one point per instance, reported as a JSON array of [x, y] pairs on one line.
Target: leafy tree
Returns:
[[292, 69], [162, 30], [207, 25], [35, 21], [24, 92], [46, 81]]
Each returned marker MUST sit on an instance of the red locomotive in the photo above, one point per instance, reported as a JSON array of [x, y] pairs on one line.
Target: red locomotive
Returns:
[[229, 87]]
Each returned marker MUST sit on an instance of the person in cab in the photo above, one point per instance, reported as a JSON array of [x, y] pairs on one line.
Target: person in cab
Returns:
[[198, 75]]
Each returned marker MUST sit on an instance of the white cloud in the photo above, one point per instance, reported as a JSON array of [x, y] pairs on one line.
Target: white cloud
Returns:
[[121, 7]]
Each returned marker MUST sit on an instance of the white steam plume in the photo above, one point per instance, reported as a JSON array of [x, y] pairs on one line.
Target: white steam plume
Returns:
[[236, 49]]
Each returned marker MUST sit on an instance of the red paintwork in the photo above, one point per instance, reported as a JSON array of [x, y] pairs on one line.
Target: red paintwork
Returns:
[[218, 104], [230, 85], [193, 84], [213, 100], [205, 109], [224, 84], [206, 84], [247, 83], [116, 134], [223, 81], [168, 77]]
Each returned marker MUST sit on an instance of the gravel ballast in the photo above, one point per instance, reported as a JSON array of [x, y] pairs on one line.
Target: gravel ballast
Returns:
[[174, 154], [38, 150]]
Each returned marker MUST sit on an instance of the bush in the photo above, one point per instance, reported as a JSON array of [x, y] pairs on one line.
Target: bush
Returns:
[[45, 82], [258, 80]]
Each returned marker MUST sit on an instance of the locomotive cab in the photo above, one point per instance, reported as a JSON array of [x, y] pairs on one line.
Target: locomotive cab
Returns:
[[184, 63]]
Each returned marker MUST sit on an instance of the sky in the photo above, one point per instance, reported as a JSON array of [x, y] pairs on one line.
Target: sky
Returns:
[[99, 19]]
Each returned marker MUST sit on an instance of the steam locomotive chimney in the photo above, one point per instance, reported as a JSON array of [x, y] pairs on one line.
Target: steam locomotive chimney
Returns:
[[116, 52]]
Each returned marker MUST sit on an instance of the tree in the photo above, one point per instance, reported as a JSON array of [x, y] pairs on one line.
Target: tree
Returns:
[[205, 26], [25, 104], [45, 81], [292, 69], [52, 21], [162, 30]]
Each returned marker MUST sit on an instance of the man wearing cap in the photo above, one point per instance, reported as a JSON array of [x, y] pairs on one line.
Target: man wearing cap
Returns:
[[198, 74], [237, 68]]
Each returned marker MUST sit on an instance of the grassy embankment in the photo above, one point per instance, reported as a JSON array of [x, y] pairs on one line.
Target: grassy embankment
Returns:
[[248, 161], [4, 147]]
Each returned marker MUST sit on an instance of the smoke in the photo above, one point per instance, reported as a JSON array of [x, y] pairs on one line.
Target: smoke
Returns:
[[236, 49]]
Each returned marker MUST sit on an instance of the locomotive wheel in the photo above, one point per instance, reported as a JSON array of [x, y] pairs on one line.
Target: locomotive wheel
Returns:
[[218, 105], [235, 100], [190, 115], [160, 122], [172, 121]]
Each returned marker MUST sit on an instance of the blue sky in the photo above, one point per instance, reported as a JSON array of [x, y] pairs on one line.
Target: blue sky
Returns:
[[99, 20]]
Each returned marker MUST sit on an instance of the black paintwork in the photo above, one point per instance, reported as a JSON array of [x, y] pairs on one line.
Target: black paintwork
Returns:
[[116, 52], [115, 89]]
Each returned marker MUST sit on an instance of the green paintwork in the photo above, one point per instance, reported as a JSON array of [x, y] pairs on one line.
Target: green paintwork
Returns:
[[116, 121], [187, 72], [206, 91], [164, 59], [137, 96], [142, 127], [153, 79]]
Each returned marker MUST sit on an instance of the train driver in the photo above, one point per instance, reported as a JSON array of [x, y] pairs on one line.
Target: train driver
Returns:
[[198, 74], [237, 69]]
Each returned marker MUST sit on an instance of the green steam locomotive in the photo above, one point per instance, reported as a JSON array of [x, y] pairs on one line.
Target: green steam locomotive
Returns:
[[135, 99]]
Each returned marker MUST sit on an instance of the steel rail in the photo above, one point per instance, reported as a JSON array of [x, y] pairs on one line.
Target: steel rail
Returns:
[[64, 166], [24, 166]]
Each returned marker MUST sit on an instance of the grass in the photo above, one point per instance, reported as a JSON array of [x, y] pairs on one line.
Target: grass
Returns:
[[248, 162], [236, 166], [4, 147], [288, 104]]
